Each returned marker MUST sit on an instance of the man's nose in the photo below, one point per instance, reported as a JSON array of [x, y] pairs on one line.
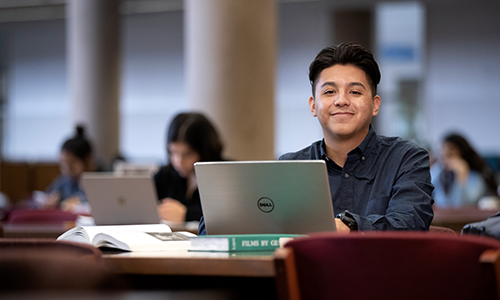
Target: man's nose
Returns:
[[341, 99]]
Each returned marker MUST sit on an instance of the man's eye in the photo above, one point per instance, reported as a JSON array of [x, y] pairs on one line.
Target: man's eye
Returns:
[[355, 93], [328, 92]]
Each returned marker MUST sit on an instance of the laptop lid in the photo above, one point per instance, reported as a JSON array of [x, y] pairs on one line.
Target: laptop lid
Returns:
[[254, 197], [121, 199]]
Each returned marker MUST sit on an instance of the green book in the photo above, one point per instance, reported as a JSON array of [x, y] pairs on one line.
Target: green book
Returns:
[[239, 242]]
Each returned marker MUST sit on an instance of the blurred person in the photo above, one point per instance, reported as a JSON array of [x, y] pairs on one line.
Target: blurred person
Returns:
[[461, 176], [191, 138], [66, 191]]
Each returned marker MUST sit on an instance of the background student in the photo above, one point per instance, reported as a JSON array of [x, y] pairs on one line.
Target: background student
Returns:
[[66, 190], [461, 176], [191, 138]]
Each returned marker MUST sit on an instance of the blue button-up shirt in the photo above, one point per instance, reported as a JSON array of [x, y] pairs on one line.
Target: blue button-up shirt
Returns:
[[385, 183]]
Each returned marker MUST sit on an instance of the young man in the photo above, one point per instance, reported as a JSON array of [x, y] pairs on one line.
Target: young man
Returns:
[[376, 182]]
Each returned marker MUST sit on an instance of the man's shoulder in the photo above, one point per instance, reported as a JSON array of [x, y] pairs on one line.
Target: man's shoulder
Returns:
[[399, 144], [401, 151], [310, 152]]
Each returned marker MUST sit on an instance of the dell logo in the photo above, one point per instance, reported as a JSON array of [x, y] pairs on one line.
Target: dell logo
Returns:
[[265, 204], [121, 201]]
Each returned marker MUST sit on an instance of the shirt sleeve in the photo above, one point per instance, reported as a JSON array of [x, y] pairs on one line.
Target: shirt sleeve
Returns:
[[410, 203], [201, 228]]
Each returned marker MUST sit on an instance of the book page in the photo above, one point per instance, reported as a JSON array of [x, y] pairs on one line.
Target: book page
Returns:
[[86, 234], [76, 234], [92, 231], [144, 241]]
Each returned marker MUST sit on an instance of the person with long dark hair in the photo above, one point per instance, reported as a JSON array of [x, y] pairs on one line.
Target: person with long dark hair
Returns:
[[461, 176], [191, 138], [76, 157]]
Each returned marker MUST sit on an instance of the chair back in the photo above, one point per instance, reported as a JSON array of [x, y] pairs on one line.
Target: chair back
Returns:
[[40, 216], [44, 264], [387, 265]]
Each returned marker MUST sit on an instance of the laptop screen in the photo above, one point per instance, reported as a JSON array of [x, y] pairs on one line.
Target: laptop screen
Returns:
[[256, 197], [121, 199]]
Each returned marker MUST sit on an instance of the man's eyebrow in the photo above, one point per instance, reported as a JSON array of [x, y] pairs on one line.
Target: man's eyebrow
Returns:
[[328, 83], [351, 84], [357, 84]]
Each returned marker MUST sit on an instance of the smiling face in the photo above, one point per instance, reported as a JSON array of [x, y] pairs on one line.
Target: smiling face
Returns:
[[344, 104]]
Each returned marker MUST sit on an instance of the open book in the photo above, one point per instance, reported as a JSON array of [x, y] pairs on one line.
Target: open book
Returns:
[[154, 237]]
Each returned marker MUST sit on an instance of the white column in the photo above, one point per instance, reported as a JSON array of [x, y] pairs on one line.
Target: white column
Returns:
[[93, 59], [231, 58]]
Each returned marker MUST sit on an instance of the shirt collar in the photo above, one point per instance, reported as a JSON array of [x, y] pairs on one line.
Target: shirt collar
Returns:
[[322, 150], [368, 144]]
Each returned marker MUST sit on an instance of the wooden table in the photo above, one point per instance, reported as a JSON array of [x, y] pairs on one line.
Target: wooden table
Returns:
[[242, 274], [182, 262], [457, 218]]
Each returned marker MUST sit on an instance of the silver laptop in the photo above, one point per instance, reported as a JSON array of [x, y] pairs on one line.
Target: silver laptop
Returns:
[[255, 197], [121, 199]]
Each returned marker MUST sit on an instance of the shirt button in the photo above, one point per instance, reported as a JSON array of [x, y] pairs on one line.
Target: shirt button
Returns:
[[346, 175], [363, 158]]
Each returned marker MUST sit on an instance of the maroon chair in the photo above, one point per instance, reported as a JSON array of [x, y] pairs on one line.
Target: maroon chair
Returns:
[[388, 265], [40, 216], [45, 264]]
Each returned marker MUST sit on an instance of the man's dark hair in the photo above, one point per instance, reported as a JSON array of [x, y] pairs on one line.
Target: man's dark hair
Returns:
[[78, 145], [346, 54], [198, 132]]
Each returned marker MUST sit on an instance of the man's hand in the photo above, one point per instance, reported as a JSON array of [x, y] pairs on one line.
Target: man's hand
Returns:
[[172, 210], [341, 227]]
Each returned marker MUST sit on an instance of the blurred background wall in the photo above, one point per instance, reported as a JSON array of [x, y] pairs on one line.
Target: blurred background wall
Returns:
[[439, 60]]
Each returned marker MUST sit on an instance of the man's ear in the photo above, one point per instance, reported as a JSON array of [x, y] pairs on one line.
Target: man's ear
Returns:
[[376, 105], [312, 106]]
